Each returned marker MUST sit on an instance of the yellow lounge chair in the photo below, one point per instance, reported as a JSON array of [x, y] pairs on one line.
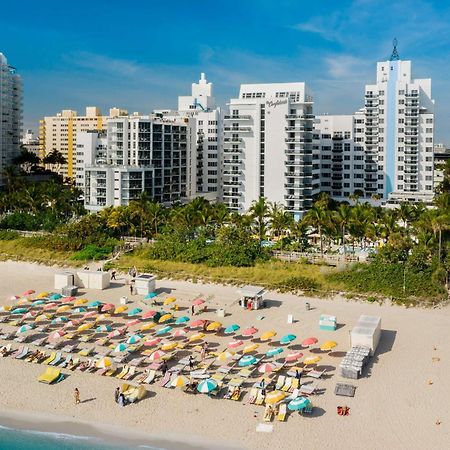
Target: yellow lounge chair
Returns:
[[294, 384], [111, 372], [280, 382], [50, 375], [50, 359], [260, 398], [85, 352], [287, 384], [282, 411], [123, 373]]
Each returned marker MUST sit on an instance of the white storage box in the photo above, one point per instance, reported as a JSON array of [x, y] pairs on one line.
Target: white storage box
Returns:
[[144, 284], [82, 278], [63, 279], [99, 280]]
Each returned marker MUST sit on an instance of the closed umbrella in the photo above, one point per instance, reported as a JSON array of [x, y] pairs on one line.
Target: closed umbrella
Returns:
[[329, 345], [299, 403], [206, 386], [235, 344], [196, 337], [164, 330], [107, 307], [266, 368], [274, 351], [43, 317], [287, 339], [103, 328], [249, 332], [227, 354], [120, 309], [198, 302], [247, 360], [231, 329], [274, 397], [165, 318], [179, 381], [134, 312], [134, 339], [156, 355], [149, 314], [293, 356], [311, 360], [169, 300], [152, 342], [213, 326], [63, 308], [309, 341], [120, 347], [197, 324], [169, 346], [250, 348], [181, 320], [268, 335]]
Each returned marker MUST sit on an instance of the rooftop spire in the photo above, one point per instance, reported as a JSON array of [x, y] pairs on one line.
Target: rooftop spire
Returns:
[[395, 56]]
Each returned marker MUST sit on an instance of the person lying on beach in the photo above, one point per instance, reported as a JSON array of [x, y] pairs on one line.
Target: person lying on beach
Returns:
[[117, 395]]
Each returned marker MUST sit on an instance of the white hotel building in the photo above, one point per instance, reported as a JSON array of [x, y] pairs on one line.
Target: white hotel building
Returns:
[[267, 147]]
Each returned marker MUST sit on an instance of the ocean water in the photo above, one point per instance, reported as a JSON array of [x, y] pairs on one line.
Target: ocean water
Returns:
[[11, 439]]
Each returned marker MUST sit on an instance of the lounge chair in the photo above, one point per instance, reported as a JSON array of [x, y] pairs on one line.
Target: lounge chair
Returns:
[[22, 354], [123, 373], [278, 366], [22, 338], [245, 373], [295, 384], [151, 377], [130, 374], [51, 375], [252, 396], [282, 411], [7, 336], [87, 337], [136, 362], [236, 382], [268, 414], [224, 369], [287, 384], [110, 372], [64, 362], [86, 351], [39, 342], [74, 364], [236, 395], [308, 389], [57, 359], [120, 358], [55, 344], [218, 377], [260, 398], [69, 348], [165, 379], [280, 382], [315, 373], [18, 351], [294, 395]]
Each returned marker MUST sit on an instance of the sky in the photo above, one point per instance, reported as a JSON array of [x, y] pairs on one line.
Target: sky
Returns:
[[142, 55]]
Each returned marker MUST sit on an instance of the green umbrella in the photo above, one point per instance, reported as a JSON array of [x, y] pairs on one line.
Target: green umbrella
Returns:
[[134, 312], [299, 403], [288, 339]]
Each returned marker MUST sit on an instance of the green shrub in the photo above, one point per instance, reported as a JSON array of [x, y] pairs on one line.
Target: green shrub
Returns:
[[298, 283], [8, 235], [92, 252]]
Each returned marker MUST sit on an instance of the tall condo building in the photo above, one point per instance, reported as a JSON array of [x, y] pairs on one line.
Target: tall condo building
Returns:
[[59, 133], [10, 114], [267, 148], [136, 154]]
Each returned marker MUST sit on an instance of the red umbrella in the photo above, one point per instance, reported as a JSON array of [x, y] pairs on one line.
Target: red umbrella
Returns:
[[197, 324], [249, 331], [293, 356], [309, 341], [29, 292], [130, 323], [107, 307], [266, 368], [68, 300], [198, 302], [117, 332], [50, 306], [152, 342], [58, 334], [72, 323], [235, 344], [149, 314]]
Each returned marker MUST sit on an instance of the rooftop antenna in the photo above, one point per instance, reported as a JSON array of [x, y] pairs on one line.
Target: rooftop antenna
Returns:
[[395, 56]]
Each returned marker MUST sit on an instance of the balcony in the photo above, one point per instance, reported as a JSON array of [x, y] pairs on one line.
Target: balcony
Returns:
[[237, 129], [232, 140], [297, 139], [232, 150], [298, 151], [232, 183], [232, 161], [232, 194], [238, 117], [232, 172], [296, 162], [294, 129]]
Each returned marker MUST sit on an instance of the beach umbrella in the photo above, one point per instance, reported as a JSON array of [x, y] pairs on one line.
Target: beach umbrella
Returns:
[[103, 328], [247, 360], [231, 329], [85, 326], [43, 317], [13, 298], [227, 354], [24, 328], [63, 308], [250, 348], [293, 356], [58, 334], [94, 304], [43, 295], [298, 403], [198, 302], [134, 312], [19, 311], [328, 345], [134, 339], [149, 314], [23, 301], [235, 344], [152, 342], [179, 381], [67, 300], [38, 302], [147, 326], [107, 307], [102, 317], [169, 300], [156, 355], [196, 337], [287, 339], [29, 315], [274, 351], [181, 320], [133, 322], [164, 330], [268, 335], [309, 341], [249, 332], [72, 323], [5, 308], [55, 297], [60, 319], [197, 324], [115, 333], [120, 347], [266, 368], [104, 363], [179, 333], [80, 302], [120, 309], [311, 360], [206, 386], [29, 292], [165, 318], [169, 346], [274, 397], [150, 296], [89, 314], [213, 326], [48, 306], [79, 310]]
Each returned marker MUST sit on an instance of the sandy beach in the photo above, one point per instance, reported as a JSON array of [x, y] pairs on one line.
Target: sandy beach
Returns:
[[401, 402]]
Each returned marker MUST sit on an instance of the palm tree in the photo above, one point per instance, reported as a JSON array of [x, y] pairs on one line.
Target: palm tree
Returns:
[[342, 216], [259, 211], [156, 215], [317, 218]]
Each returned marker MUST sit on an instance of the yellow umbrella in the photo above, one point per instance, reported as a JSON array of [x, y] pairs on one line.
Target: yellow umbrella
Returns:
[[213, 326], [250, 348], [23, 301], [43, 295], [104, 363], [328, 345], [274, 397], [80, 301], [227, 354], [179, 381], [120, 309], [165, 318], [85, 326], [63, 308], [196, 337], [268, 335], [101, 317], [169, 300], [169, 346], [311, 360], [42, 317], [148, 326]]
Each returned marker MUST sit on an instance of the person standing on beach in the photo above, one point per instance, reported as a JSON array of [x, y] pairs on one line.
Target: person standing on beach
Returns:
[[76, 395], [113, 275], [191, 363], [192, 310], [298, 375], [116, 395]]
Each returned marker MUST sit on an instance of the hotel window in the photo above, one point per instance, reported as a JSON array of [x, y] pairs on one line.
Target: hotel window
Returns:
[[429, 130]]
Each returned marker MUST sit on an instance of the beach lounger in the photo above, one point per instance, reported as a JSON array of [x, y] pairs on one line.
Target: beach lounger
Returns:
[[155, 365], [260, 398], [268, 414], [18, 351], [55, 345], [280, 382], [295, 384], [56, 360], [245, 373], [282, 411], [130, 374], [64, 362], [218, 376], [120, 358], [74, 364], [278, 366], [39, 342], [315, 373], [23, 353], [308, 389], [252, 396], [136, 362], [150, 378], [51, 375], [294, 395], [165, 379], [86, 351], [236, 382], [110, 372], [123, 372], [69, 348], [86, 337], [287, 384], [21, 339], [224, 369]]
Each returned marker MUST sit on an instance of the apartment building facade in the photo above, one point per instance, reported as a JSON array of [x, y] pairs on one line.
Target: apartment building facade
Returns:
[[11, 93]]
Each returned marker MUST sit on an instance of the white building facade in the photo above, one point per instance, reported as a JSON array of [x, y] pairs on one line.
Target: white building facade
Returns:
[[267, 148], [10, 114]]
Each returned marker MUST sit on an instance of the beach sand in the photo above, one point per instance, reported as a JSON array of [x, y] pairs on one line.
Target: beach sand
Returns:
[[401, 402]]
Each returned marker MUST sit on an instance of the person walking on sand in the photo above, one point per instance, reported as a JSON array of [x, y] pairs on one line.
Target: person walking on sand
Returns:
[[76, 395], [113, 275], [116, 395], [192, 310], [191, 363]]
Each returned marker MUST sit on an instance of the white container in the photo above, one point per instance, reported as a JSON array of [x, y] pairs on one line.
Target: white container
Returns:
[[82, 278], [144, 284], [123, 300], [63, 279], [290, 318], [220, 313], [99, 280]]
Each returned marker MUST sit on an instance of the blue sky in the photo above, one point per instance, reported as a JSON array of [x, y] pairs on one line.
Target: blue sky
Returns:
[[143, 55]]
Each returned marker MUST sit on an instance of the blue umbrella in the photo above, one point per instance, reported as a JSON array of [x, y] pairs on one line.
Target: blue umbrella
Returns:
[[79, 310], [60, 319], [299, 403], [25, 328], [120, 347], [55, 297], [182, 319], [134, 339], [19, 311], [274, 351], [247, 360], [207, 386], [288, 339], [101, 328], [94, 304], [164, 330], [150, 296], [134, 312], [38, 302], [231, 329]]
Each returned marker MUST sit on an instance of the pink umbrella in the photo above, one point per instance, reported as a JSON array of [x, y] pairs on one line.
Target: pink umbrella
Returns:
[[152, 342], [266, 368], [49, 306], [29, 292], [180, 333], [130, 323], [58, 334], [148, 314], [197, 324], [68, 300], [72, 323], [89, 314], [309, 341], [235, 344], [29, 315], [293, 356], [117, 332], [198, 302], [107, 307], [158, 354], [249, 331]]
